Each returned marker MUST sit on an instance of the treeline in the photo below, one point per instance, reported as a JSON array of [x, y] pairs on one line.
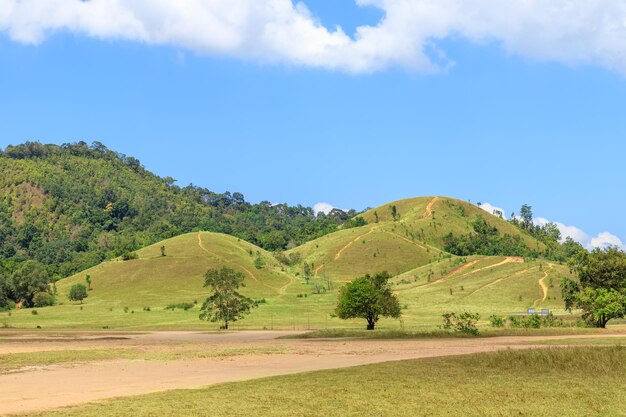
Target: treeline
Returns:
[[66, 208], [486, 239]]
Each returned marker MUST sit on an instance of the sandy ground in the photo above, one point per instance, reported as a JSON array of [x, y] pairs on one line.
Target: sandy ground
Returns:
[[57, 386]]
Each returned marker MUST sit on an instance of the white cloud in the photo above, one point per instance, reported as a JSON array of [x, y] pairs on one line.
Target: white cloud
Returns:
[[491, 209], [602, 240], [322, 207], [279, 31], [605, 239]]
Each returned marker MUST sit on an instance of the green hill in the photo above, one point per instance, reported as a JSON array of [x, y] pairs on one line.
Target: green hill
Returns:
[[415, 238], [134, 294], [70, 207]]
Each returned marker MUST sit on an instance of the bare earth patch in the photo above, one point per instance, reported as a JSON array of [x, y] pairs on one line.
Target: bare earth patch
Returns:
[[45, 388]]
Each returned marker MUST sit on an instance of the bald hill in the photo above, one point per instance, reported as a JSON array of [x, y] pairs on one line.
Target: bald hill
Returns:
[[298, 288], [76, 210]]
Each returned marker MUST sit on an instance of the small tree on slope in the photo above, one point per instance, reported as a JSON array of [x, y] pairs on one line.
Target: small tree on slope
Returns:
[[226, 304], [78, 292], [368, 297]]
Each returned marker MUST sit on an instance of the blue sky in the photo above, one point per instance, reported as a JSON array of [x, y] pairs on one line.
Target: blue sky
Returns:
[[479, 115]]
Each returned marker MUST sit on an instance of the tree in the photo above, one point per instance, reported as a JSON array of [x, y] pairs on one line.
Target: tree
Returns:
[[368, 297], [394, 212], [162, 250], [29, 279], [601, 288], [78, 292], [88, 281], [225, 304], [526, 213]]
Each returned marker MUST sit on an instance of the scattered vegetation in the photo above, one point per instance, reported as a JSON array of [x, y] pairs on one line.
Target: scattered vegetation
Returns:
[[464, 323]]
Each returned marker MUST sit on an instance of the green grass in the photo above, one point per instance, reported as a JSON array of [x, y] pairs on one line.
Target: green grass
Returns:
[[563, 382], [428, 334], [16, 361], [428, 282], [596, 341]]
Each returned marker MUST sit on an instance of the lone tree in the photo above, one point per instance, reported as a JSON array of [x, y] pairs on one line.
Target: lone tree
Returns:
[[226, 304], [394, 212], [88, 281], [601, 288], [78, 292], [162, 250], [368, 297]]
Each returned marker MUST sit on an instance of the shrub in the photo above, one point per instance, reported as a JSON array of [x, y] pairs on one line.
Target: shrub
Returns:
[[34, 312], [43, 299], [127, 256], [8, 306], [78, 292], [146, 309], [496, 321], [464, 323], [182, 306], [535, 321]]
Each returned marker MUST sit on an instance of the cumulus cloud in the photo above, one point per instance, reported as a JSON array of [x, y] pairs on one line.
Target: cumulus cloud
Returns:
[[280, 31], [602, 240], [605, 239], [323, 208], [491, 209]]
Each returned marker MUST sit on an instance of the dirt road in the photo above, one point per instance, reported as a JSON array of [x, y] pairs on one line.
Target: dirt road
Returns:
[[62, 385]]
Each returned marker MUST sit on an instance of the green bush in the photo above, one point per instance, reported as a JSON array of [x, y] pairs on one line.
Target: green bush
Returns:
[[535, 321], [43, 299], [182, 306], [496, 321], [127, 256], [464, 323]]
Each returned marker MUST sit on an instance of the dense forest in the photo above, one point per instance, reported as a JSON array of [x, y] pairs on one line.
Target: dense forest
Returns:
[[66, 208]]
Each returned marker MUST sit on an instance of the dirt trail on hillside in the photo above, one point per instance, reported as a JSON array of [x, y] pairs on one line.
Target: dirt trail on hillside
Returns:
[[523, 271], [406, 239], [225, 260], [508, 260], [455, 271], [37, 390], [542, 284], [429, 208], [352, 242]]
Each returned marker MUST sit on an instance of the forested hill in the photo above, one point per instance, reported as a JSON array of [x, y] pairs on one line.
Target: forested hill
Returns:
[[69, 207]]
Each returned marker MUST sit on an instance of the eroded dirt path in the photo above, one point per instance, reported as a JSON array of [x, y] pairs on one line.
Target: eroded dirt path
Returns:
[[204, 248], [543, 285], [63, 385], [429, 208], [352, 242]]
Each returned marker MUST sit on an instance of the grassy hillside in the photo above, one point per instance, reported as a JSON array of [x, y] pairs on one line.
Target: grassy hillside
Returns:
[[428, 283], [70, 207], [413, 239]]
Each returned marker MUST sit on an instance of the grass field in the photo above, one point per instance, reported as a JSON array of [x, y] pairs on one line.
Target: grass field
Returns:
[[17, 361], [522, 383], [133, 294], [596, 341], [434, 334]]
